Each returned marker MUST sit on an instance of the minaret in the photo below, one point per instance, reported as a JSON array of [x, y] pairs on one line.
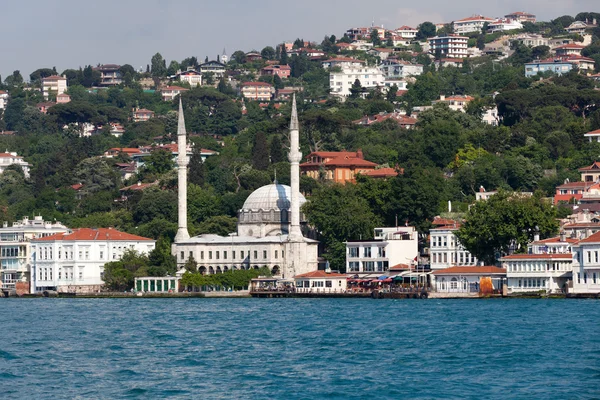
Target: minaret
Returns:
[[295, 156], [182, 161]]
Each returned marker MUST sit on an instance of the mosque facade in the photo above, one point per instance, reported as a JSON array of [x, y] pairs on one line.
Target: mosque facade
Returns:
[[268, 230]]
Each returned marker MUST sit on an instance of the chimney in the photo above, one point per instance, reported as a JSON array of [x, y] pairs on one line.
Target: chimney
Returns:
[[563, 236], [359, 153], [442, 97], [481, 189]]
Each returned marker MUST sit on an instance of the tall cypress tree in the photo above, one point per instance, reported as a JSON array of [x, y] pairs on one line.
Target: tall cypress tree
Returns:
[[260, 152], [277, 153], [196, 167]]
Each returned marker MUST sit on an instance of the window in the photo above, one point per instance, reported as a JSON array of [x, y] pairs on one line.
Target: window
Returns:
[[59, 274], [80, 273], [282, 253], [367, 252], [191, 255], [241, 255], [255, 254], [101, 255], [354, 266], [210, 255], [233, 255], [217, 255], [353, 252], [80, 254], [594, 278], [224, 255], [87, 254], [182, 256], [380, 266], [264, 254], [276, 254], [202, 255], [328, 284], [369, 266], [381, 252]]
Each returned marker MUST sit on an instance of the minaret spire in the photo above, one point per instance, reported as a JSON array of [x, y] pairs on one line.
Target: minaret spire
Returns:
[[295, 156], [182, 161]]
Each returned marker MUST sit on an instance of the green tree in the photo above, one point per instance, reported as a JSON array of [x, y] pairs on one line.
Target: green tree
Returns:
[[260, 152], [158, 69], [268, 53], [96, 175], [504, 223], [160, 161], [425, 30], [196, 169], [277, 151], [356, 89], [375, 39]]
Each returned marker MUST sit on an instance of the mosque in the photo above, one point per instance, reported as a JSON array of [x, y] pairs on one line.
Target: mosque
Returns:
[[268, 231]]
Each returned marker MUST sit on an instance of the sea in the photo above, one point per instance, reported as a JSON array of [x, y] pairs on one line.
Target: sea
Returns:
[[299, 349]]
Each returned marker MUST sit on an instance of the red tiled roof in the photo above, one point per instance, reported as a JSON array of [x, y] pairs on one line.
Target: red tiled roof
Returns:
[[143, 111], [555, 239], [582, 225], [8, 155], [53, 78], [459, 270], [596, 132], [400, 267], [405, 28], [574, 185], [595, 238], [443, 221], [128, 150], [343, 59], [580, 58], [88, 234], [570, 46], [565, 256], [320, 274], [594, 166], [3, 92], [475, 18], [138, 186], [521, 13], [77, 186], [256, 84], [355, 161], [173, 88]]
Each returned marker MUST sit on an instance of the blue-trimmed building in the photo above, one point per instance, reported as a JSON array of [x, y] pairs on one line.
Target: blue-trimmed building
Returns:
[[558, 67]]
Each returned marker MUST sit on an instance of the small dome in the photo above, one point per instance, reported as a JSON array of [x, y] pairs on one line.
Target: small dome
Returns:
[[271, 197]]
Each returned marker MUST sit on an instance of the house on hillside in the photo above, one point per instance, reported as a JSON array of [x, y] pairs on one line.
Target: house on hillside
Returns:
[[336, 166]]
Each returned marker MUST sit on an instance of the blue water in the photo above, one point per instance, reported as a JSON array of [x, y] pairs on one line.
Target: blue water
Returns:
[[299, 348]]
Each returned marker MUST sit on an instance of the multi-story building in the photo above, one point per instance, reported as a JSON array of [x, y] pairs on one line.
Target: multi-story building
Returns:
[[336, 166], [389, 247], [8, 159], [445, 249], [578, 27], [531, 40], [54, 85], [400, 69], [3, 99], [521, 16], [504, 24], [449, 46], [15, 248], [547, 266], [407, 32], [557, 67], [169, 93], [282, 71], [586, 265], [568, 50], [261, 91], [216, 68], [474, 23], [74, 261], [142, 114], [110, 74], [340, 82], [191, 76], [455, 103], [342, 62], [593, 136], [365, 33]]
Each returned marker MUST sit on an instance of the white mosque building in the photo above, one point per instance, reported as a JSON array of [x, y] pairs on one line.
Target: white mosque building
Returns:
[[268, 232]]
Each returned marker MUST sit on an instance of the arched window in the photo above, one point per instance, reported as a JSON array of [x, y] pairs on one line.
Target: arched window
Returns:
[[219, 271], [211, 270], [276, 270], [202, 270]]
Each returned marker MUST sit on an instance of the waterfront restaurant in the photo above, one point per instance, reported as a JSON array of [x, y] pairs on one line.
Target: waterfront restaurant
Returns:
[[320, 282], [486, 279], [153, 284]]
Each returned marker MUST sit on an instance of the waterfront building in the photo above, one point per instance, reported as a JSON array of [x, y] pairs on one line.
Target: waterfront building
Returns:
[[547, 266], [269, 225], [15, 248], [388, 248], [586, 265], [8, 159], [449, 46], [153, 284], [54, 85], [470, 279], [320, 282], [445, 249], [73, 261]]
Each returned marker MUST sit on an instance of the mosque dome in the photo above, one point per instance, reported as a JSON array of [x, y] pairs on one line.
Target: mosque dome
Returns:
[[271, 197]]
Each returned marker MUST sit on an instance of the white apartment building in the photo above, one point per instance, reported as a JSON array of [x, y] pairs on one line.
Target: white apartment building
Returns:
[[445, 249], [8, 159], [471, 24], [340, 82], [15, 248], [586, 265], [531, 40], [504, 24], [110, 74], [455, 103], [170, 92], [407, 32], [342, 62], [449, 46], [74, 261], [3, 99], [54, 84], [389, 247]]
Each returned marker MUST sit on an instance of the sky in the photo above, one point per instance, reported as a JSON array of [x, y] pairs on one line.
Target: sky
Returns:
[[73, 33]]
